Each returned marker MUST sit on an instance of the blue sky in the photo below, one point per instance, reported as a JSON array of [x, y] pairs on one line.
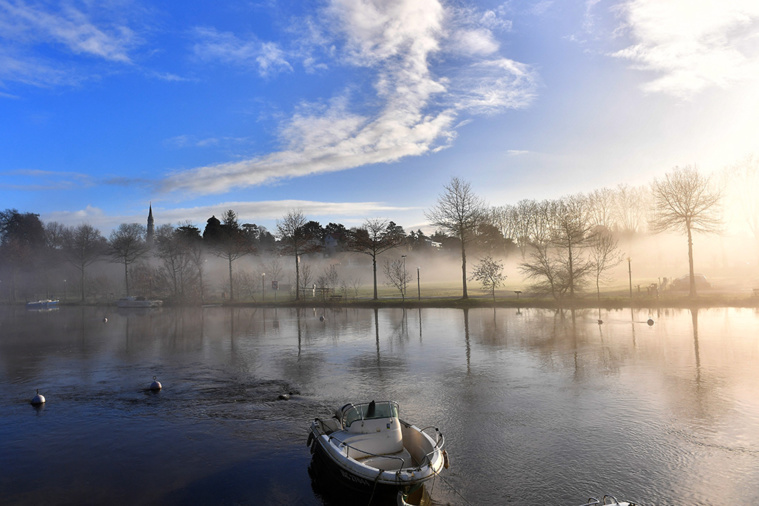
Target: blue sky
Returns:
[[353, 109]]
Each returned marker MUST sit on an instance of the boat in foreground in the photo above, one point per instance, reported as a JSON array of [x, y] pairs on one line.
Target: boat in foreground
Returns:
[[369, 449], [133, 301], [42, 304]]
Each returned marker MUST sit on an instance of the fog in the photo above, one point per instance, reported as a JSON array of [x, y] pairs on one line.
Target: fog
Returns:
[[728, 262]]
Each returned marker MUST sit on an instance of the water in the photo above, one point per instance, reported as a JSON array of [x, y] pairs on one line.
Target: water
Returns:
[[537, 407]]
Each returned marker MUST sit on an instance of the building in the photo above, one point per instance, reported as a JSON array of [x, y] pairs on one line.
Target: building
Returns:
[[151, 228]]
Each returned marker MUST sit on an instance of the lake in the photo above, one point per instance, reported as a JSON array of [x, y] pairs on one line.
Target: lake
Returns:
[[537, 406]]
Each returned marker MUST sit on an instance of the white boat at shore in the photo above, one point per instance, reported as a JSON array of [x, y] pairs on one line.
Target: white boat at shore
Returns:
[[369, 449], [41, 305], [138, 302]]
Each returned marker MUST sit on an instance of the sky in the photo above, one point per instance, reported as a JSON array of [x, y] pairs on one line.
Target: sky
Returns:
[[349, 110]]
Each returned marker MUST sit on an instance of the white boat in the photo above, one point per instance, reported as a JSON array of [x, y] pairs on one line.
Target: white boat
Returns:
[[40, 305], [369, 449], [132, 302]]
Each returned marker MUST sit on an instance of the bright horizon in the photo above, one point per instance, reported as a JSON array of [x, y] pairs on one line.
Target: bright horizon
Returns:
[[352, 110]]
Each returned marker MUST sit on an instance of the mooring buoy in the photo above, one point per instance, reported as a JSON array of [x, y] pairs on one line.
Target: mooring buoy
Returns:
[[105, 320], [650, 322], [39, 399], [321, 318], [156, 385]]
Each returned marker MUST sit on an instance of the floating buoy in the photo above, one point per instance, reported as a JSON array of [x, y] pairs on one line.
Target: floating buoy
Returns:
[[284, 397], [39, 399], [600, 322], [650, 322], [105, 320], [156, 385], [321, 318]]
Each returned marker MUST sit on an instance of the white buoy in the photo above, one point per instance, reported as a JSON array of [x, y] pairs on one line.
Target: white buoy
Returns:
[[105, 320], [156, 385], [39, 399]]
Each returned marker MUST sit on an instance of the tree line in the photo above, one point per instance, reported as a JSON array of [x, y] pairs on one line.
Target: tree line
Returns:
[[563, 245]]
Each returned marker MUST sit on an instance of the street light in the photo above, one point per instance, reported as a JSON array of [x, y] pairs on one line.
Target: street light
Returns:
[[418, 285], [404, 275], [263, 286]]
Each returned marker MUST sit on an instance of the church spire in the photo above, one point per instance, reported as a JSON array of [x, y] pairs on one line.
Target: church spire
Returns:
[[151, 227]]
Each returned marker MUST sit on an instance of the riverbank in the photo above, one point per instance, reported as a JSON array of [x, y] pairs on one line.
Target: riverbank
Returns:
[[477, 300]]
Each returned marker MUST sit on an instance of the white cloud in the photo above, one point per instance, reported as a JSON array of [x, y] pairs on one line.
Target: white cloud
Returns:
[[692, 45], [264, 212], [267, 57], [69, 27], [414, 109]]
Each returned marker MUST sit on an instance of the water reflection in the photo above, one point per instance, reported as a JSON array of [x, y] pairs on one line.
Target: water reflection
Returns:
[[538, 406]]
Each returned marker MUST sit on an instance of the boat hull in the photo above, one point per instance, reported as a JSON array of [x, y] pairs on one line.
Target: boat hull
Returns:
[[137, 303], [360, 478], [42, 304]]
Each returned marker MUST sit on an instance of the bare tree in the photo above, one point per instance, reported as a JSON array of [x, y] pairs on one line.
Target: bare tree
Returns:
[[571, 234], [459, 211], [397, 275], [305, 278], [274, 268], [685, 201], [83, 246], [125, 245], [232, 244], [604, 255], [489, 272], [373, 238], [559, 234], [190, 239], [296, 240], [629, 210]]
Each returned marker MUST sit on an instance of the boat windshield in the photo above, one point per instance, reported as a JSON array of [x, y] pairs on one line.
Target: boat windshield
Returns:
[[368, 411]]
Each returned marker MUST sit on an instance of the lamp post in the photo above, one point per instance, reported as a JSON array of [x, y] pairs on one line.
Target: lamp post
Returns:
[[418, 285], [404, 275], [263, 286]]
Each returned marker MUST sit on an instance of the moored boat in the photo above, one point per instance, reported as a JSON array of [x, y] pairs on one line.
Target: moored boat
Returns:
[[42, 304], [369, 449], [138, 302]]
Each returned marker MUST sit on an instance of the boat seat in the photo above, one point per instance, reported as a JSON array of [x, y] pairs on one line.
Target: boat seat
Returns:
[[366, 438], [390, 462]]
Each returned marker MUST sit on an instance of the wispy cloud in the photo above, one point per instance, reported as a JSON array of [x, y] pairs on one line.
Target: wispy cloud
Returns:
[[247, 212], [692, 45], [40, 180], [66, 30], [416, 99], [266, 57]]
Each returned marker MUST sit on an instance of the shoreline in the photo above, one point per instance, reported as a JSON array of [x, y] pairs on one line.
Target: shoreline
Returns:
[[478, 301]]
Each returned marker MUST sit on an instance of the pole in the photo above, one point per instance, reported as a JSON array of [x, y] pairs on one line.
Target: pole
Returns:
[[404, 275], [418, 285], [630, 274], [263, 286]]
